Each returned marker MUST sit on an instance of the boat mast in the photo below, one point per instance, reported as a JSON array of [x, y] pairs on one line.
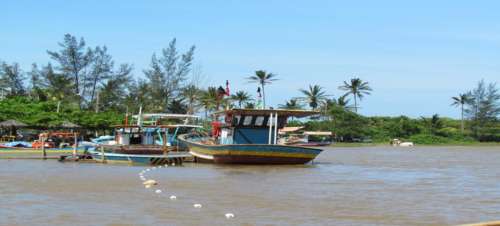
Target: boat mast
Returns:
[[270, 127], [275, 127]]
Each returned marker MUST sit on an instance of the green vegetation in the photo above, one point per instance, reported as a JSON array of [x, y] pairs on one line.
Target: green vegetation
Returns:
[[83, 85], [357, 88], [263, 78]]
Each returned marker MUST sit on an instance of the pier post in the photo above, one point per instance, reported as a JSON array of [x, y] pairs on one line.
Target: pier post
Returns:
[[43, 148], [75, 146], [103, 160]]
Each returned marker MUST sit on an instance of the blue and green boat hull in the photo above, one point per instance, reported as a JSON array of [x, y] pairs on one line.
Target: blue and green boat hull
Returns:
[[250, 153]]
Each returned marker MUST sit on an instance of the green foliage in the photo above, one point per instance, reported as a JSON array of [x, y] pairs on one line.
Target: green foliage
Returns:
[[166, 76], [241, 97], [434, 139], [314, 96], [483, 109], [11, 80], [263, 78], [357, 88], [292, 104], [43, 114], [349, 126]]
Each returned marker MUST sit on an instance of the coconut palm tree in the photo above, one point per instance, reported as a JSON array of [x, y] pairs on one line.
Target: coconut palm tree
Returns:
[[241, 97], [292, 104], [250, 105], [314, 96], [209, 100], [191, 94], [461, 100], [263, 78], [357, 88]]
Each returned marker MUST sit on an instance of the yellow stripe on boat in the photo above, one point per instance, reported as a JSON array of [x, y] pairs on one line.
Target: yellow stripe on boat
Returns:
[[252, 153]]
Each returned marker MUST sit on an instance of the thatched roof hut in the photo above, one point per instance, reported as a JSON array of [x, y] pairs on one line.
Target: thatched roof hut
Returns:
[[69, 125], [12, 123]]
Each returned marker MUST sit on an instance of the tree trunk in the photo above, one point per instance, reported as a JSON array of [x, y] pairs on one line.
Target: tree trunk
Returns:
[[355, 104], [462, 120], [97, 103], [93, 89], [263, 96]]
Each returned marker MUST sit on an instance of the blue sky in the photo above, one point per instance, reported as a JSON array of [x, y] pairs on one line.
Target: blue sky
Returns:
[[415, 55]]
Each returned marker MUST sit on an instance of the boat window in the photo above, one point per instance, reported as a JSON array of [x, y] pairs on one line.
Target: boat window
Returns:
[[236, 120], [259, 121], [248, 120]]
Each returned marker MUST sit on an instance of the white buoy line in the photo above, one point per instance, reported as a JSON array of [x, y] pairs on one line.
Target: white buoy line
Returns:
[[150, 183]]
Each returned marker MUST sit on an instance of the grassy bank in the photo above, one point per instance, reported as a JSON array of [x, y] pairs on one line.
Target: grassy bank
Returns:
[[32, 154], [450, 144]]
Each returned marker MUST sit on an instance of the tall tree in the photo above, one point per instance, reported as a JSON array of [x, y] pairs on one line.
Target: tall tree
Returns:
[[138, 95], [73, 60], [209, 99], [314, 96], [177, 106], [250, 105], [433, 124], [11, 80], [483, 108], [263, 78], [191, 95], [342, 102], [167, 74], [113, 93], [241, 97], [101, 69], [292, 104], [58, 87], [357, 88], [460, 101]]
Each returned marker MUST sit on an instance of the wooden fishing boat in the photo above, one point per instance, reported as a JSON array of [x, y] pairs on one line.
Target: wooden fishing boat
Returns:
[[138, 159], [249, 136], [151, 139]]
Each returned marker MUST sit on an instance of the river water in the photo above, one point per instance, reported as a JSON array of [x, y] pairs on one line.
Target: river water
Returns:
[[344, 186]]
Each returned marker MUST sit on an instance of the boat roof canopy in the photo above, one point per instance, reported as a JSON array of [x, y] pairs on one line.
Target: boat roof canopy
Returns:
[[266, 112], [165, 115]]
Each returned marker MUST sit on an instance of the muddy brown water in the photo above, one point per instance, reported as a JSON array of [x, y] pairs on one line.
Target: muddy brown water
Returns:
[[344, 186]]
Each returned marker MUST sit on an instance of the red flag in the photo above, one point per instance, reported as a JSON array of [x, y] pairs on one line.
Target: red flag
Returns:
[[227, 87]]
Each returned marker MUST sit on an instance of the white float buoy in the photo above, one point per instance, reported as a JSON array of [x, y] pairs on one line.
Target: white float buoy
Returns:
[[150, 182], [197, 205], [158, 191], [173, 164], [173, 197], [147, 186], [147, 170], [229, 215]]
